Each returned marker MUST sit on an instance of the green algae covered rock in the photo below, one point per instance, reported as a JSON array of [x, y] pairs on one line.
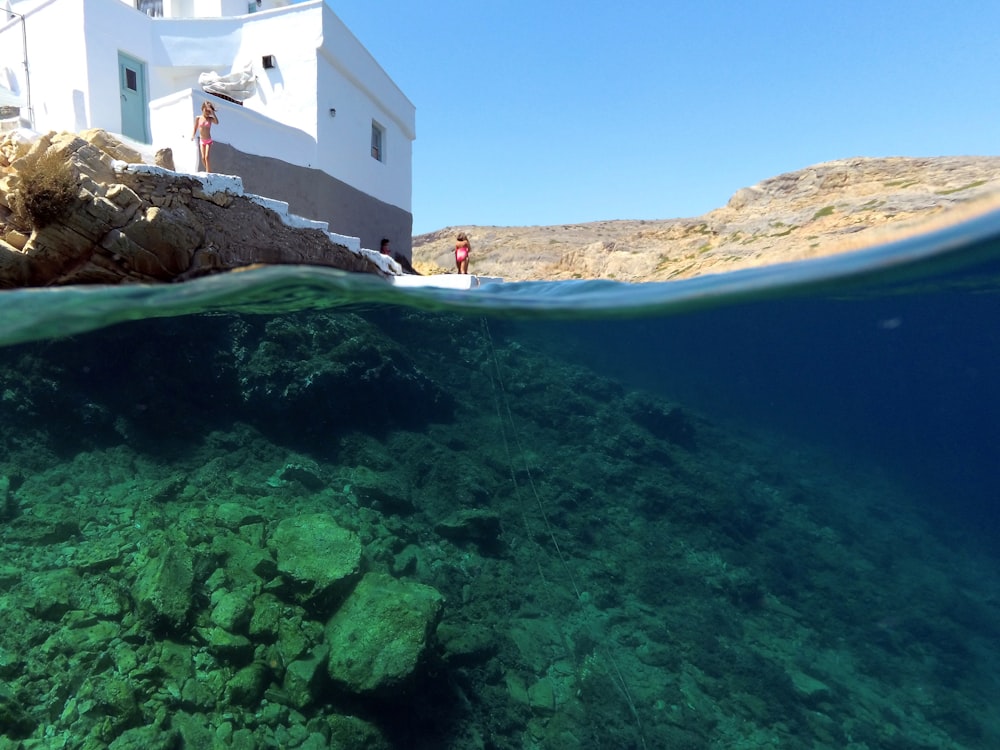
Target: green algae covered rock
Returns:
[[351, 731], [379, 634], [164, 588], [303, 677], [14, 719], [246, 687], [315, 555], [232, 610]]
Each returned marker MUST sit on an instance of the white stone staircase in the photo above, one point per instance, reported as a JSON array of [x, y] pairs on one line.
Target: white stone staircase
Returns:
[[225, 183]]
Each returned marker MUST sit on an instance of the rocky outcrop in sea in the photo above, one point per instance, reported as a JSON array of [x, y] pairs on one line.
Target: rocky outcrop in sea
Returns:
[[73, 211]]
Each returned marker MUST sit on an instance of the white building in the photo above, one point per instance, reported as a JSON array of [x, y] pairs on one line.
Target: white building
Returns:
[[324, 127]]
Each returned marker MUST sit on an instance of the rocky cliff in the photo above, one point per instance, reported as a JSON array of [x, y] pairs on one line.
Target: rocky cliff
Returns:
[[829, 208], [85, 210]]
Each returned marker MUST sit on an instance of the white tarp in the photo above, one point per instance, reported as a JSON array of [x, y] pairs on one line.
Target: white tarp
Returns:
[[238, 85]]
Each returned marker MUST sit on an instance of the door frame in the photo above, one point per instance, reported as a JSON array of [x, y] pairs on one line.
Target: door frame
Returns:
[[134, 102]]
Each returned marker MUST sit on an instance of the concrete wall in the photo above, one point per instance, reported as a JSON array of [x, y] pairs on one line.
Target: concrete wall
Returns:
[[317, 195]]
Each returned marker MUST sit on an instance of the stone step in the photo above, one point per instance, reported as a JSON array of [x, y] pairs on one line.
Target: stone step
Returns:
[[212, 182]]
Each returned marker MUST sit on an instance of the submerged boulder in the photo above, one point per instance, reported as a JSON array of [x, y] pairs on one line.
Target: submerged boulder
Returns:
[[164, 588], [380, 633], [315, 555]]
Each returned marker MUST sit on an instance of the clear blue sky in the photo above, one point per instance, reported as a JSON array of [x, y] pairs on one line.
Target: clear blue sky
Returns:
[[552, 112]]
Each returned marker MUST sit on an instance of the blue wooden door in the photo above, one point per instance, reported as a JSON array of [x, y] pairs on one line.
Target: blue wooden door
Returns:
[[135, 105]]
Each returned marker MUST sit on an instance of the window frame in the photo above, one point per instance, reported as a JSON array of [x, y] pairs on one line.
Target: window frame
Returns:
[[378, 142]]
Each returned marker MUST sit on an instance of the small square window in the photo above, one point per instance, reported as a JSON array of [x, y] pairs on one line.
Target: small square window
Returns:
[[378, 136], [131, 80]]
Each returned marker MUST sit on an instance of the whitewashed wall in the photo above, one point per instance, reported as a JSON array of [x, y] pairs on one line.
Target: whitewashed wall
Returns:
[[361, 93], [320, 66], [57, 62], [249, 131]]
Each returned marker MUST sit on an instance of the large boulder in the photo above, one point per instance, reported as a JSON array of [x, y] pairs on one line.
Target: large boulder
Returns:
[[164, 589], [380, 634], [316, 557]]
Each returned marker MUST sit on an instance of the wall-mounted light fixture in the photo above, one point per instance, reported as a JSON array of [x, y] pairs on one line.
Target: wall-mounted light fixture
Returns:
[[269, 61], [333, 112]]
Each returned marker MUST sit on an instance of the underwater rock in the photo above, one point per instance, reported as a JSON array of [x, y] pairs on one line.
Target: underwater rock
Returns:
[[466, 644], [480, 528], [146, 738], [229, 647], [164, 588], [113, 700], [98, 555], [53, 593], [350, 731], [304, 676], [673, 425], [317, 375], [192, 729], [232, 610], [9, 575], [246, 687], [233, 515], [266, 618], [15, 722], [808, 688], [247, 564], [175, 660], [8, 503], [296, 636], [79, 634], [315, 555], [35, 530], [380, 633], [307, 476]]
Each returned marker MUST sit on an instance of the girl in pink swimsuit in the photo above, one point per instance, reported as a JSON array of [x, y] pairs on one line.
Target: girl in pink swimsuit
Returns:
[[462, 249], [203, 129]]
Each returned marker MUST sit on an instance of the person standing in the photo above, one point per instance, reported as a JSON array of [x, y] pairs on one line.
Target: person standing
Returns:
[[203, 129], [462, 249]]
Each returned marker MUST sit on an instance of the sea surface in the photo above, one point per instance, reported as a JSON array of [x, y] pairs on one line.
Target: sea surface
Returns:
[[295, 508]]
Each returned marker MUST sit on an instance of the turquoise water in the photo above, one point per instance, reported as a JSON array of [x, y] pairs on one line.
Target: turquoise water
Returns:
[[749, 510]]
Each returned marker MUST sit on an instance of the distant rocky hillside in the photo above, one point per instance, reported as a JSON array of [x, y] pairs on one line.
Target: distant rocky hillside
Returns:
[[829, 208]]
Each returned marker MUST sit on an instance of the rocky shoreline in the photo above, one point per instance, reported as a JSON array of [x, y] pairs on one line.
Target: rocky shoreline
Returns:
[[73, 211], [825, 209]]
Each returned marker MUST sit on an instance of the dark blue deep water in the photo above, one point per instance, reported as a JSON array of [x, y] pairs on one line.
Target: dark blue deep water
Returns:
[[908, 379], [293, 508]]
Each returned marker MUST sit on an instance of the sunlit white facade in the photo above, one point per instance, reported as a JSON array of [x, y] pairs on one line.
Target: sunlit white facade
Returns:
[[326, 129]]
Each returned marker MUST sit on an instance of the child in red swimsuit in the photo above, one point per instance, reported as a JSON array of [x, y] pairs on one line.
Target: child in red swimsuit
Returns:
[[203, 129], [462, 249]]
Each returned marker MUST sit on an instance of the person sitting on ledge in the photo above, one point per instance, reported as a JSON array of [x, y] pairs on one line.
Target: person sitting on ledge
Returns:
[[403, 261]]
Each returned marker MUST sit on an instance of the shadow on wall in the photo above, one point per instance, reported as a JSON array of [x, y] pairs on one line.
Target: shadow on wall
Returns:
[[313, 194]]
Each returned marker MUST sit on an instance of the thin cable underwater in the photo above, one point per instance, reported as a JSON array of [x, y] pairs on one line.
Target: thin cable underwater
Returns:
[[503, 402]]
